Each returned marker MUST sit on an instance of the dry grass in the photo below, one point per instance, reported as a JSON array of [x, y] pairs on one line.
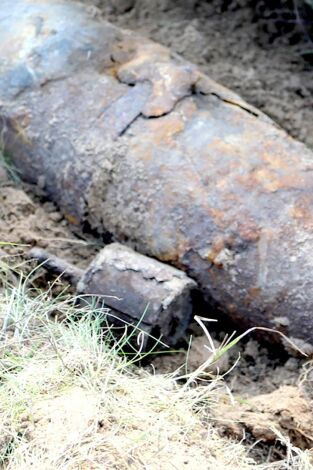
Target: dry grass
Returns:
[[70, 398]]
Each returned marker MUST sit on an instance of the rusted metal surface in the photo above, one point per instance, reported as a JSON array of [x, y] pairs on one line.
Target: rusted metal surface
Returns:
[[139, 290], [137, 142]]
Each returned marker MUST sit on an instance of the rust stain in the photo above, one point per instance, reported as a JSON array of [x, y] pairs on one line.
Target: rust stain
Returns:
[[271, 180], [302, 211], [163, 132], [20, 126], [205, 175], [253, 293], [248, 230], [217, 246], [72, 219], [170, 81], [112, 71], [267, 178]]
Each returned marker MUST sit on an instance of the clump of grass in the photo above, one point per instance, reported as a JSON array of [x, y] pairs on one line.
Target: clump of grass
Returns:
[[136, 419], [71, 397], [6, 163]]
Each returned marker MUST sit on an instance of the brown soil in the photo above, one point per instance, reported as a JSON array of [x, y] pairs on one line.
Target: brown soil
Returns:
[[258, 377], [66, 416], [285, 410], [229, 47], [28, 222], [271, 397], [258, 371]]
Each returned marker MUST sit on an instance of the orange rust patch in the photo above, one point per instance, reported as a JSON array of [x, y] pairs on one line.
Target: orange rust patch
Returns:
[[249, 231], [219, 217], [71, 219], [261, 178], [253, 293], [267, 178], [221, 146], [272, 181], [278, 159], [163, 131], [19, 126], [274, 172], [302, 210], [217, 246], [112, 71]]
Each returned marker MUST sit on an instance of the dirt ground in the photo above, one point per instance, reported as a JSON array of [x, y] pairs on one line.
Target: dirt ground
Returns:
[[259, 382], [271, 74], [26, 221]]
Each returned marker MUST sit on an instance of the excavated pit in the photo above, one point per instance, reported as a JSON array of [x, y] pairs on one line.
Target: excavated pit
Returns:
[[269, 74]]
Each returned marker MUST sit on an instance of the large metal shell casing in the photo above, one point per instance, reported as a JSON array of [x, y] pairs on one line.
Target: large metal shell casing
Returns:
[[135, 141]]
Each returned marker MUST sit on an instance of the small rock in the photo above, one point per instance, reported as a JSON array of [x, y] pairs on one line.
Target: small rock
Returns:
[[55, 216], [251, 349]]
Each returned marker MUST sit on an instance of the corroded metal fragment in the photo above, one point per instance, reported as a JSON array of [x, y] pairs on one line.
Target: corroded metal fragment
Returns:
[[137, 142], [139, 290]]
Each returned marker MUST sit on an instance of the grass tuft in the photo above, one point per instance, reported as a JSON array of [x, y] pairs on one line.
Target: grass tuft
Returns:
[[72, 397]]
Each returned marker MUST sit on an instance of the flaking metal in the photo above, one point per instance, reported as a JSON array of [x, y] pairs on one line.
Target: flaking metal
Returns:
[[138, 142]]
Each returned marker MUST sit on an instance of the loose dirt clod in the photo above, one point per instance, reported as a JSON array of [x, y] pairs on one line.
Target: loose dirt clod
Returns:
[[25, 223], [285, 410]]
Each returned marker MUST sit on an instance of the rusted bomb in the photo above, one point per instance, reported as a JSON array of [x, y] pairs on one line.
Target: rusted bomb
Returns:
[[132, 139], [139, 291]]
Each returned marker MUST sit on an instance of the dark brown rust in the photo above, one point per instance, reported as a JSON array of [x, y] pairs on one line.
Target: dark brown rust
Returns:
[[139, 143], [56, 265], [139, 291]]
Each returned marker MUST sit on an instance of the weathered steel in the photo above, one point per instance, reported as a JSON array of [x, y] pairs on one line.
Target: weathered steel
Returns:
[[138, 142], [140, 291], [55, 265]]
